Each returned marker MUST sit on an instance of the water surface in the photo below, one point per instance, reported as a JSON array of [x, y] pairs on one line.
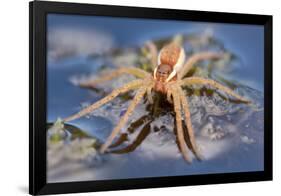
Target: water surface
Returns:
[[229, 133]]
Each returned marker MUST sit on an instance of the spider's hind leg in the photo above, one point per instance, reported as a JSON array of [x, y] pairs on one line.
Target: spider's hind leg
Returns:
[[153, 52]]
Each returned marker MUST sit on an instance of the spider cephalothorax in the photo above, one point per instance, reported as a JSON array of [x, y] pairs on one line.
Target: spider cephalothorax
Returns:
[[168, 79], [170, 59], [162, 73]]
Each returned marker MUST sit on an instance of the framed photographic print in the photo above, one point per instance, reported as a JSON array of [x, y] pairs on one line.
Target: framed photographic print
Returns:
[[127, 97]]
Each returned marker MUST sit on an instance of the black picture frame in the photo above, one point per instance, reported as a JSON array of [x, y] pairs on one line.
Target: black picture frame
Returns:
[[37, 101]]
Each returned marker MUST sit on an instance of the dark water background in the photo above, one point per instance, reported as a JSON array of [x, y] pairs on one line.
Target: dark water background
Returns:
[[81, 46]]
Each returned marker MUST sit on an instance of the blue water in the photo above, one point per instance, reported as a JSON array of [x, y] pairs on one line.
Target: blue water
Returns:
[[64, 98]]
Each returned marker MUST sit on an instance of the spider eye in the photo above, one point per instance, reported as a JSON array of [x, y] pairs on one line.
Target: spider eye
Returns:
[[163, 70]]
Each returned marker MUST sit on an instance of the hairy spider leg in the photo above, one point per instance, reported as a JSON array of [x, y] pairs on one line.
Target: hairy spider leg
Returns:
[[127, 87], [131, 129], [138, 97], [149, 94], [153, 52], [214, 84], [109, 75], [169, 96], [180, 135], [190, 131], [144, 132], [196, 58]]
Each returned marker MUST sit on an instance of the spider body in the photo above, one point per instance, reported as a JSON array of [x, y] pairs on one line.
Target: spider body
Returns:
[[170, 60], [168, 79]]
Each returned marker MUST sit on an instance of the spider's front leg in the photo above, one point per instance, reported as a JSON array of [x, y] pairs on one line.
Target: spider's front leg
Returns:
[[149, 94], [185, 107], [180, 134], [212, 83], [144, 132], [138, 97], [127, 87], [109, 75]]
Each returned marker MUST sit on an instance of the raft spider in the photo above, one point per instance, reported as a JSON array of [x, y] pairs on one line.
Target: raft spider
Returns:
[[167, 78]]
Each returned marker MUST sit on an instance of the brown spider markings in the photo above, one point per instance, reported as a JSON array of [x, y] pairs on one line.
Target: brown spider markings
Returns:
[[167, 79]]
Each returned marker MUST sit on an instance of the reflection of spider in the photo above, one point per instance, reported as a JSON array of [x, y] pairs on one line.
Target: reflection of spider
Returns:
[[167, 78]]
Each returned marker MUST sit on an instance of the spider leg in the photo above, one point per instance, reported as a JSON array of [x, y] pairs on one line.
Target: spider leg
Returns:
[[190, 132], [195, 58], [131, 129], [127, 87], [109, 75], [145, 131], [204, 81], [180, 135], [139, 95], [120, 140], [149, 94], [169, 96], [153, 52]]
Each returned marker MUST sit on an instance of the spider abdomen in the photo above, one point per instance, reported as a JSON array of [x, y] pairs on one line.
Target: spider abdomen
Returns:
[[170, 54]]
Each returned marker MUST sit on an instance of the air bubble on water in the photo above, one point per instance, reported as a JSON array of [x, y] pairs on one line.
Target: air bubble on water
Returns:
[[219, 128], [245, 139], [228, 117], [75, 80], [123, 130], [211, 119], [94, 161], [122, 113]]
